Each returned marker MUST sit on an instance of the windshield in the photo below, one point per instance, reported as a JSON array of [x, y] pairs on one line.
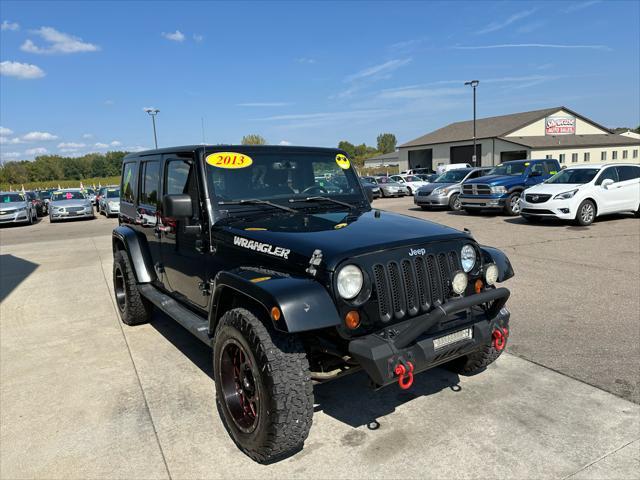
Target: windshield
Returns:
[[369, 179], [512, 169], [386, 180], [574, 176], [114, 193], [452, 176], [412, 178], [90, 191], [11, 197], [44, 195], [282, 177], [67, 196]]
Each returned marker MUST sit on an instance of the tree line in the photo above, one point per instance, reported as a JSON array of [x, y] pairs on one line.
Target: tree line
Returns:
[[55, 167]]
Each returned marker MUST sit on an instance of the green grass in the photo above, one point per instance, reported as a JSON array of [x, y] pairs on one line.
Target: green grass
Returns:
[[87, 182]]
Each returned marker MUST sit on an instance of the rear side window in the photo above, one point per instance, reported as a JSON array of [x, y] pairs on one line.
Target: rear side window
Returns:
[[608, 173], [129, 177], [628, 172], [149, 184]]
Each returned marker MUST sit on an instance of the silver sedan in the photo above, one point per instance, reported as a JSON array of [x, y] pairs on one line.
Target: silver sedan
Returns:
[[66, 204], [110, 202], [15, 208]]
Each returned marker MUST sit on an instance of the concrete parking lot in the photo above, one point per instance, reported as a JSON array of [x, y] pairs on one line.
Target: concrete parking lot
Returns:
[[83, 396]]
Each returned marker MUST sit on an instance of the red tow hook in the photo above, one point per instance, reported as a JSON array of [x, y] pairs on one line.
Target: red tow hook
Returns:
[[500, 338], [405, 378]]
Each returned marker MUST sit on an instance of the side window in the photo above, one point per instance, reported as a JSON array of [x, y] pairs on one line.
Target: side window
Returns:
[[129, 177], [608, 173], [176, 178], [628, 172], [149, 183], [538, 167], [551, 168]]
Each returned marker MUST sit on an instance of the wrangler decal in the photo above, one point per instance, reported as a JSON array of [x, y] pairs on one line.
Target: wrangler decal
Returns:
[[261, 247]]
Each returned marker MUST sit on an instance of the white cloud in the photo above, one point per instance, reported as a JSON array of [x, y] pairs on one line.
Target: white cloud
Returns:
[[305, 120], [20, 70], [176, 36], [69, 150], [10, 154], [115, 143], [87, 135], [6, 25], [284, 143], [58, 42], [101, 145], [39, 137], [198, 38], [10, 141], [530, 45], [137, 148], [579, 6], [263, 104], [71, 145], [36, 151], [379, 70], [5, 132], [493, 26], [307, 60]]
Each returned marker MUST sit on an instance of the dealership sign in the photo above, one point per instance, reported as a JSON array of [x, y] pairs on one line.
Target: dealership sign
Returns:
[[560, 126]]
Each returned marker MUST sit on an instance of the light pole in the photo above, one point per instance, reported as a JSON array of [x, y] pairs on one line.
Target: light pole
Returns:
[[474, 84], [152, 113]]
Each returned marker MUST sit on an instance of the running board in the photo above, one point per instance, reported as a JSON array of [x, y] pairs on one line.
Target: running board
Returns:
[[185, 317]]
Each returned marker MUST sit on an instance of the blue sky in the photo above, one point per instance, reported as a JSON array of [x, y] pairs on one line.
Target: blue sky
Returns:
[[77, 75]]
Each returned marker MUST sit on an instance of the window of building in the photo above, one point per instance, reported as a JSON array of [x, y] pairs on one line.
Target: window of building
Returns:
[[574, 157], [603, 156], [150, 181], [548, 157], [635, 154], [562, 158], [614, 155], [129, 177], [587, 156], [625, 153]]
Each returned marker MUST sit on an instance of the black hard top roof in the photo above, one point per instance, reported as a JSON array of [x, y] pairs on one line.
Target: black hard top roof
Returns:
[[222, 148]]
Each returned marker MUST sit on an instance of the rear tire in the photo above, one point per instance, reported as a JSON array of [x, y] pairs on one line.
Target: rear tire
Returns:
[[134, 309], [512, 205], [475, 362], [265, 396], [586, 213]]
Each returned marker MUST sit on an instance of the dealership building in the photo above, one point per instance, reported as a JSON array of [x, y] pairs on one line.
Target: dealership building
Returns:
[[557, 133]]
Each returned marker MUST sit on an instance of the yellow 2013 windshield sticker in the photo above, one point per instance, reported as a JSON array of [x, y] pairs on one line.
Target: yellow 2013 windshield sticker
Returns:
[[342, 161], [229, 160]]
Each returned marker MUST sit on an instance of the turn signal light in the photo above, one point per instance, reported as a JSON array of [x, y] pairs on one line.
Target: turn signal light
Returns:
[[276, 314], [352, 320], [478, 286]]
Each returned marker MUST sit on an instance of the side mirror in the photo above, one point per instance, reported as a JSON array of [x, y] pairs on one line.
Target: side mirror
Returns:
[[369, 194], [607, 182], [177, 206], [535, 174]]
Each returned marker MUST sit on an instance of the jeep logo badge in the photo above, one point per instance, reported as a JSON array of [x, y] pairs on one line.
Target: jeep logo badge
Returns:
[[417, 251]]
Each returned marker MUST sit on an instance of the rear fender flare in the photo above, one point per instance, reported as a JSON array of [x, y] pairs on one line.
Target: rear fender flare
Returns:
[[493, 255], [303, 302], [137, 250]]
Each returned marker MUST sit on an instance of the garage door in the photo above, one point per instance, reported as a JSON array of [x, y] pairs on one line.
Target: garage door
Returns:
[[464, 154]]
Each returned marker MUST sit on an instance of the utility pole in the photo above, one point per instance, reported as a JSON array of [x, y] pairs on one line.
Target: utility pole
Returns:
[[474, 84], [152, 113]]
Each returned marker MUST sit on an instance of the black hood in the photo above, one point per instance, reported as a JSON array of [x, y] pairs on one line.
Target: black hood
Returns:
[[338, 235]]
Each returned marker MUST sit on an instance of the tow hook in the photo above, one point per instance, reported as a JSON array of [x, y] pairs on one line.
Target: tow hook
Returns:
[[500, 338], [405, 375]]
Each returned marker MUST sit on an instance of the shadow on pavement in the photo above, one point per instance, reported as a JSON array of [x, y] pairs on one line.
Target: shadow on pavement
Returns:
[[555, 222], [14, 270]]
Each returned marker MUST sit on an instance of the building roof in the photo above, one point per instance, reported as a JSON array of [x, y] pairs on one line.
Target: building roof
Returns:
[[385, 157], [488, 127], [560, 141]]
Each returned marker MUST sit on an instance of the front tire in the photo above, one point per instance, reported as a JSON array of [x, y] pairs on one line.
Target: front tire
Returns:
[[512, 205], [263, 386], [454, 203], [475, 362], [586, 213], [134, 309]]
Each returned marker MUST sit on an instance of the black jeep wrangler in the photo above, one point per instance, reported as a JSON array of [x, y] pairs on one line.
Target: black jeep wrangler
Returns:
[[274, 257]]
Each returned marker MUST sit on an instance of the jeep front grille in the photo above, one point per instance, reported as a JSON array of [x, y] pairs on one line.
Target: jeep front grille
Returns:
[[413, 285]]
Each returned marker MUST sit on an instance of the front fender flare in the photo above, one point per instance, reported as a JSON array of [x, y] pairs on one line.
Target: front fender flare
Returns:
[[305, 303], [137, 250], [493, 255]]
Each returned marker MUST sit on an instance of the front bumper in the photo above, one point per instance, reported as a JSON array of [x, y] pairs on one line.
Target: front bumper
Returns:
[[483, 202], [562, 209], [433, 200], [413, 340], [400, 192], [14, 217], [69, 215]]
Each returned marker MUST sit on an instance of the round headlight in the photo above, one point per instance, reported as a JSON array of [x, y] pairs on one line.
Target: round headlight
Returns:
[[491, 274], [459, 283], [349, 281], [468, 258]]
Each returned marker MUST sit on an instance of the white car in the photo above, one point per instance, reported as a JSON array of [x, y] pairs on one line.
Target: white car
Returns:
[[412, 182], [584, 192]]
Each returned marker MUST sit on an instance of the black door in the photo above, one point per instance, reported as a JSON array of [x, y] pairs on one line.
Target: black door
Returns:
[[183, 254]]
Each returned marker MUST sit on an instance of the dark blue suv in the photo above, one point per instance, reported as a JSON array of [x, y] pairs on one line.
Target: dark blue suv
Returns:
[[502, 187]]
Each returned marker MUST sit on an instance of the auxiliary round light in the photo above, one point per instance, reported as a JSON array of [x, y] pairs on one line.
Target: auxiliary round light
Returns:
[[491, 274], [349, 281], [468, 258], [459, 283]]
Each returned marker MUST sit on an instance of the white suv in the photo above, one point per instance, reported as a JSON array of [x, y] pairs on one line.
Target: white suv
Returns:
[[583, 192]]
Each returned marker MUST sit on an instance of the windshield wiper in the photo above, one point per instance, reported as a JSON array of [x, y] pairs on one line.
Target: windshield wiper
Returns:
[[257, 201], [320, 198]]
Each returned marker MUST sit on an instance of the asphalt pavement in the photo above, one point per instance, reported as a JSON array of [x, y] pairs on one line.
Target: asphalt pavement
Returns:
[[83, 396]]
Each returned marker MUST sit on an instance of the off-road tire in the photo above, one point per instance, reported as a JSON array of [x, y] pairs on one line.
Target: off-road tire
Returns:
[[283, 381], [475, 362], [509, 207], [583, 218], [135, 309], [454, 203]]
